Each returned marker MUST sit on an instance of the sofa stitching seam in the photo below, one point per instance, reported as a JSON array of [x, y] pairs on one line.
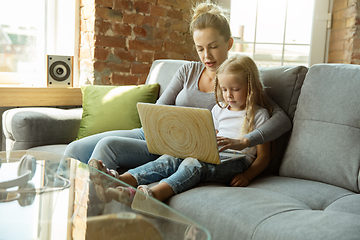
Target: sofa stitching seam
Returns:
[[316, 120], [346, 195]]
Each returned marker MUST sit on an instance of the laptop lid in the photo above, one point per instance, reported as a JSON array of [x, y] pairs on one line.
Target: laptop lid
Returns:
[[179, 131]]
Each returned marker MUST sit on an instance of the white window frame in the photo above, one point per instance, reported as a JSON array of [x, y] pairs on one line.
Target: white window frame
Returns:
[[319, 34], [58, 42]]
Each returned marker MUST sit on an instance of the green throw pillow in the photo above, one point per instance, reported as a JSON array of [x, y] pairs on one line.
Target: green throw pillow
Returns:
[[107, 108]]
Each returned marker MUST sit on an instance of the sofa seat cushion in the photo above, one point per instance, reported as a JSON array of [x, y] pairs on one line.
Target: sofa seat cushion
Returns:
[[309, 225], [232, 213], [322, 194], [266, 204]]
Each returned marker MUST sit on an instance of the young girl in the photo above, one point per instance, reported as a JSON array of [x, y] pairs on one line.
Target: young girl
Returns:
[[241, 107]]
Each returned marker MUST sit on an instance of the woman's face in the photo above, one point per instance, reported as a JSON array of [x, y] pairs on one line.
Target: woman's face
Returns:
[[211, 47]]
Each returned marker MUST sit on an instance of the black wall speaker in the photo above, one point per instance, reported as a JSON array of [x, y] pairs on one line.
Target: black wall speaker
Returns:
[[59, 71]]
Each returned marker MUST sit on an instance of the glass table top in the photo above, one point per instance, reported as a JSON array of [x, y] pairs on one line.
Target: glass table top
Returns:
[[48, 196]]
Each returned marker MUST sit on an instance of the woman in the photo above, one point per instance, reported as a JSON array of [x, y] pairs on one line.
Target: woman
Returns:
[[193, 86]]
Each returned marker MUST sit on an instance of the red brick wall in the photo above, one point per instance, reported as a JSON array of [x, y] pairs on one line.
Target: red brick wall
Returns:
[[119, 39], [344, 44]]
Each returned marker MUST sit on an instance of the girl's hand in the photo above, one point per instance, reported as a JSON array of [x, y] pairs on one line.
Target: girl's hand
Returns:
[[239, 181], [229, 143]]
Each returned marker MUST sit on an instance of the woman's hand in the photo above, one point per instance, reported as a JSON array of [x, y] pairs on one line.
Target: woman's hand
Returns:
[[239, 181], [229, 143]]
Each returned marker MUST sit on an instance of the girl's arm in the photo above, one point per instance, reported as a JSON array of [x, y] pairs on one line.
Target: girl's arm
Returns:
[[277, 125], [260, 163]]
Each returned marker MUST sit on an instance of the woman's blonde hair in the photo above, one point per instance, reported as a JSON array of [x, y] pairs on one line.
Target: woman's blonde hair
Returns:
[[210, 15], [238, 64]]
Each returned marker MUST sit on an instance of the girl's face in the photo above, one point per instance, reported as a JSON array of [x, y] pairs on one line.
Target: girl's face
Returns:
[[234, 90], [211, 47]]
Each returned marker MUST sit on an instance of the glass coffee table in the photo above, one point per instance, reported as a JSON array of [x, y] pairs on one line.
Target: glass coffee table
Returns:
[[48, 196]]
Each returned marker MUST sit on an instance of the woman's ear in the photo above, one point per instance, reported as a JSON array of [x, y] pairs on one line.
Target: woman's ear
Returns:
[[231, 42]]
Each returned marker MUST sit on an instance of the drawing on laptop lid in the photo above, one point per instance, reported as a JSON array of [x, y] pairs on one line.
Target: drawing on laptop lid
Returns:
[[181, 132]]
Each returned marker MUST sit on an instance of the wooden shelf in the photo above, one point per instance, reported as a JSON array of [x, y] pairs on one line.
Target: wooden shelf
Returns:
[[34, 96]]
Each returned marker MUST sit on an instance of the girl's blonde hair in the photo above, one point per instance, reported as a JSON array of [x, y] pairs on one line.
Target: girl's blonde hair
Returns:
[[210, 15], [238, 64]]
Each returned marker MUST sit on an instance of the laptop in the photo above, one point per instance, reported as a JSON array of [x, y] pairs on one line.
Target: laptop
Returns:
[[182, 132]]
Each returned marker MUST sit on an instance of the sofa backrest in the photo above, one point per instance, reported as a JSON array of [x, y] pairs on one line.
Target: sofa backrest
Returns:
[[282, 84], [326, 129], [162, 71]]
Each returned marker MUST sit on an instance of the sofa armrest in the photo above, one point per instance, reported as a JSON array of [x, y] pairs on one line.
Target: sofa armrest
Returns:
[[25, 128]]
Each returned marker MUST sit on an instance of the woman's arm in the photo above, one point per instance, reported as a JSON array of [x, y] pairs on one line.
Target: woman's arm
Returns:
[[260, 163], [277, 125]]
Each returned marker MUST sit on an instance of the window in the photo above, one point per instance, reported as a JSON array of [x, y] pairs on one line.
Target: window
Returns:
[[280, 32], [30, 30]]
